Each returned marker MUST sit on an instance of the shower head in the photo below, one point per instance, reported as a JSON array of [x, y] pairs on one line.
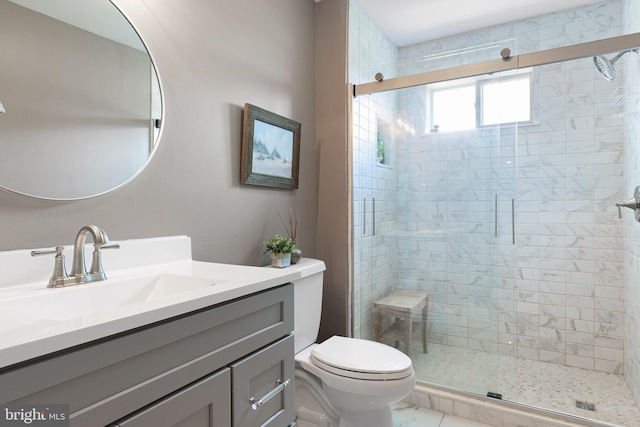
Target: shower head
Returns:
[[606, 66]]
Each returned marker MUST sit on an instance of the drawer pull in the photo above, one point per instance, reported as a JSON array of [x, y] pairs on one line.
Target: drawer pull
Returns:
[[256, 404]]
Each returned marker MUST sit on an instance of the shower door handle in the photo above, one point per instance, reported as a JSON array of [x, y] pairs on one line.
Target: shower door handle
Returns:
[[496, 217], [373, 216], [364, 216], [513, 221]]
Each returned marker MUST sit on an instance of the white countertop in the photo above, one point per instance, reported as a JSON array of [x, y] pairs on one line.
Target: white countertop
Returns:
[[29, 329]]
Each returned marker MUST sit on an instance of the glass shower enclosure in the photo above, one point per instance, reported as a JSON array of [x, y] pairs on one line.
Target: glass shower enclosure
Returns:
[[493, 187]]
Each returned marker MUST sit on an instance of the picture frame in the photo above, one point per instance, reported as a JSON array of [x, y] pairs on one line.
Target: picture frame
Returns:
[[270, 149]]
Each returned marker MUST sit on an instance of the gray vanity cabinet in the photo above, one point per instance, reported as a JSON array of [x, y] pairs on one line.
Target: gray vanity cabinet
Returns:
[[198, 369], [207, 403], [216, 400]]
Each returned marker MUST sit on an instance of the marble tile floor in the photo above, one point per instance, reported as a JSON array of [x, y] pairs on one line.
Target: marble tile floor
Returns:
[[407, 415], [535, 383]]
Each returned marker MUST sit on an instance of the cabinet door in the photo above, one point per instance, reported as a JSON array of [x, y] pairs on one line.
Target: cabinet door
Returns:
[[266, 375], [206, 403]]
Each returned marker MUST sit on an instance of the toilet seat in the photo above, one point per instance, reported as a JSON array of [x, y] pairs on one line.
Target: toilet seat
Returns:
[[361, 359]]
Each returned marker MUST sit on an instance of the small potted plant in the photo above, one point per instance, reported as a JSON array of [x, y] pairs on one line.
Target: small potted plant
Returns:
[[281, 249], [292, 232], [380, 150]]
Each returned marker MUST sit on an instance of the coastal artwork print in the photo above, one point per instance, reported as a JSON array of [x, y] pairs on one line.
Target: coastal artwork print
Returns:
[[270, 149]]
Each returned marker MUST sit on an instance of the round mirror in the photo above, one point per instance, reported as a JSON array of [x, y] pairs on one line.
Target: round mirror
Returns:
[[80, 99]]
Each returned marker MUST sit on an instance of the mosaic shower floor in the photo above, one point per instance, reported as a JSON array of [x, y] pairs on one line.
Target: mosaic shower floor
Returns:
[[531, 382]]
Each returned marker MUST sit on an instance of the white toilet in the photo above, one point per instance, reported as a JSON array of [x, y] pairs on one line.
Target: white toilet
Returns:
[[342, 382]]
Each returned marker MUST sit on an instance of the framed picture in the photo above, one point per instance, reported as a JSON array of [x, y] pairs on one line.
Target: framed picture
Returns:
[[270, 149]]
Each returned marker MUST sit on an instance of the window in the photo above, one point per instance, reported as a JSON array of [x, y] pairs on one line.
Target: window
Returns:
[[506, 101], [454, 108], [474, 103]]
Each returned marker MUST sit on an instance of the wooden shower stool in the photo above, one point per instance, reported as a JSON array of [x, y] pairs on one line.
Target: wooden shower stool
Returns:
[[403, 305]]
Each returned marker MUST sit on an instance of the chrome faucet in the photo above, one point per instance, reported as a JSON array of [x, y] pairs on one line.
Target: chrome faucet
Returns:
[[78, 269], [79, 272]]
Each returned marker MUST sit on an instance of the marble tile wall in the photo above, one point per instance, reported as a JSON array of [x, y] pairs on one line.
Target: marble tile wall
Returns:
[[557, 294], [632, 228], [573, 26]]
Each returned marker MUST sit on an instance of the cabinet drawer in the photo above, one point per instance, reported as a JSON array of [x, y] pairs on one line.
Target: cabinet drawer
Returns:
[[206, 403], [259, 376]]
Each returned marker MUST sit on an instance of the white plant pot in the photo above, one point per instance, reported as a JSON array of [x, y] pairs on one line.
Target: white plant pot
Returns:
[[280, 260]]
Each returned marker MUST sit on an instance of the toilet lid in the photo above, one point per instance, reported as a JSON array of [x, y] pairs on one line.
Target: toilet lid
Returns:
[[361, 359]]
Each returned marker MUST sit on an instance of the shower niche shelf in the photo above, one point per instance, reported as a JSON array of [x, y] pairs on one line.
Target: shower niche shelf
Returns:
[[384, 136]]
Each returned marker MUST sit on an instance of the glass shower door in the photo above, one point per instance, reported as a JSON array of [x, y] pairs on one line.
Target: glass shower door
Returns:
[[433, 212], [374, 208]]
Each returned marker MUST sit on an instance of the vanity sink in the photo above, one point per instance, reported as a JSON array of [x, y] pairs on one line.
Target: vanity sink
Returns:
[[164, 285], [95, 299]]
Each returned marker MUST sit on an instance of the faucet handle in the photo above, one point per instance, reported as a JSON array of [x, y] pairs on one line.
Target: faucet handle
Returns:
[[110, 246], [96, 262], [633, 204], [59, 270], [55, 250]]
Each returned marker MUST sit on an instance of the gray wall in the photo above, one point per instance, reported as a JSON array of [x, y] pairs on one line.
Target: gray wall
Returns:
[[334, 215], [212, 58]]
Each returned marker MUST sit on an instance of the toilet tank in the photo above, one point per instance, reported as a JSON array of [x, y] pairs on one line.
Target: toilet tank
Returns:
[[307, 302]]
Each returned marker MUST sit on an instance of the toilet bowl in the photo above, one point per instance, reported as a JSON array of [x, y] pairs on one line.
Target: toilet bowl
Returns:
[[360, 378], [341, 382]]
